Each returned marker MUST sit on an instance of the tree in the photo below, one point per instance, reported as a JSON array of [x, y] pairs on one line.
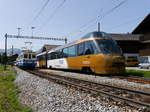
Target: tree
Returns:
[[3, 59], [0, 58]]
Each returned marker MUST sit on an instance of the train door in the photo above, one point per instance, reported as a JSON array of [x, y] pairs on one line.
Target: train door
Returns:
[[75, 57], [46, 57], [89, 57], [80, 56], [87, 54]]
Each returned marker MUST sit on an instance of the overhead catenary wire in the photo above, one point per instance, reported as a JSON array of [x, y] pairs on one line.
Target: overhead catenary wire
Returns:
[[53, 14], [126, 23], [40, 11], [114, 8], [85, 25], [99, 16]]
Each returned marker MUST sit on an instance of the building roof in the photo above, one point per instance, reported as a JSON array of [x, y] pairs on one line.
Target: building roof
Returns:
[[126, 37], [143, 27], [47, 48]]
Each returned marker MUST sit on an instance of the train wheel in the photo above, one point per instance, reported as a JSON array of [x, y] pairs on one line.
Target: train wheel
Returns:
[[50, 67]]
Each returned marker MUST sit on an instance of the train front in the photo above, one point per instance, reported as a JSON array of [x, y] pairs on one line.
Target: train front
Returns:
[[110, 59]]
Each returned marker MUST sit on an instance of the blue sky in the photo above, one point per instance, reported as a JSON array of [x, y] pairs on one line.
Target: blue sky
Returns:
[[68, 19]]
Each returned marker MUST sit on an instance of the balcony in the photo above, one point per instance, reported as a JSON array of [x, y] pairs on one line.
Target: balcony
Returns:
[[145, 38], [145, 52]]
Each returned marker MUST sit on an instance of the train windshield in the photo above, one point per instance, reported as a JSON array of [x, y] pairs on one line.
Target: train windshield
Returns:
[[108, 46]]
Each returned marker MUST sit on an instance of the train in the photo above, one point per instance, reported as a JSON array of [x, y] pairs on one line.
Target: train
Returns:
[[27, 59], [42, 60], [95, 52]]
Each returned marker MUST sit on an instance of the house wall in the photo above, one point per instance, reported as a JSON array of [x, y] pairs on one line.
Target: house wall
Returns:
[[129, 46]]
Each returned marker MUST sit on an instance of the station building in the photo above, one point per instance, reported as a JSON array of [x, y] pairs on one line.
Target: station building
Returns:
[[47, 48], [137, 43], [129, 43], [144, 29]]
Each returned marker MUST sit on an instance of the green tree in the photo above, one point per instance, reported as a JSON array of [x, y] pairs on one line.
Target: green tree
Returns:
[[0, 59], [3, 59]]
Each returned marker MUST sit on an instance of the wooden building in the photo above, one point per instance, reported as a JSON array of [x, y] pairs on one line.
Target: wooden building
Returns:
[[129, 43], [144, 29]]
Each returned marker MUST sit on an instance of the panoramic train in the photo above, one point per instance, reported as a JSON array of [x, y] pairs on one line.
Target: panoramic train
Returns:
[[95, 52], [27, 59]]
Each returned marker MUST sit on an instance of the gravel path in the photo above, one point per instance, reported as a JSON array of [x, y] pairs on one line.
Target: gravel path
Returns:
[[46, 96], [103, 80]]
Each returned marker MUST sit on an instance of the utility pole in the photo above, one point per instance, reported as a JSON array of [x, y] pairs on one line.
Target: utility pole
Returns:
[[28, 37], [65, 40], [5, 51], [12, 50], [32, 28], [19, 30], [98, 26]]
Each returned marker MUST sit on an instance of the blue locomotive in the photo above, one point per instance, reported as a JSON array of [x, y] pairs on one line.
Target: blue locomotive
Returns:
[[27, 59]]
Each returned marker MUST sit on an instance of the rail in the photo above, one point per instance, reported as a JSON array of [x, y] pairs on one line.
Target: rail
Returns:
[[94, 87]]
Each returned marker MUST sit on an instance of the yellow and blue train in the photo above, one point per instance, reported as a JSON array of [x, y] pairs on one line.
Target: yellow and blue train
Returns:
[[27, 59], [95, 52]]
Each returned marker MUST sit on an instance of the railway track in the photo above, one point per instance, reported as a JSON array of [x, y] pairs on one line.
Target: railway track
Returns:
[[130, 78], [127, 96], [133, 79]]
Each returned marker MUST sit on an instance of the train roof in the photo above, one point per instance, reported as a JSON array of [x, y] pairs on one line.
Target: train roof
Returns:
[[89, 35], [96, 34], [41, 53], [63, 46]]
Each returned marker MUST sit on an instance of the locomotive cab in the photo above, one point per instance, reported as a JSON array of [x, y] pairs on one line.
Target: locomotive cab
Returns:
[[107, 56]]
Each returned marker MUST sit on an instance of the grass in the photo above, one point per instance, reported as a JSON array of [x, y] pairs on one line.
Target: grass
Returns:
[[145, 74], [9, 93]]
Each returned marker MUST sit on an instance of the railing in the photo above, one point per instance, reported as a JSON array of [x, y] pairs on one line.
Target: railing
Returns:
[[146, 37], [145, 52]]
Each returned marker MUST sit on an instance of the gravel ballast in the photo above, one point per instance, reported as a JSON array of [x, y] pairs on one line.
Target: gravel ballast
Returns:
[[46, 96], [103, 80]]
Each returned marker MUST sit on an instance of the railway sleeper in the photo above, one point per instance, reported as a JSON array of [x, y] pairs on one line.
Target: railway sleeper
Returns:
[[105, 93]]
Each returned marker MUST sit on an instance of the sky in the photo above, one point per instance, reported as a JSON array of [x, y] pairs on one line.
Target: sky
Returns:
[[69, 19]]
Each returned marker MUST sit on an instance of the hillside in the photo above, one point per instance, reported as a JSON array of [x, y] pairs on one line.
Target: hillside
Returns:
[[9, 51]]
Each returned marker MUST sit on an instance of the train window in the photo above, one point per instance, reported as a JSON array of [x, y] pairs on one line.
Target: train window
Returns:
[[59, 54], [53, 55], [90, 48], [25, 56], [65, 52], [42, 57], [87, 36], [29, 56], [33, 55], [80, 49], [72, 51], [38, 58], [49, 56], [108, 46]]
